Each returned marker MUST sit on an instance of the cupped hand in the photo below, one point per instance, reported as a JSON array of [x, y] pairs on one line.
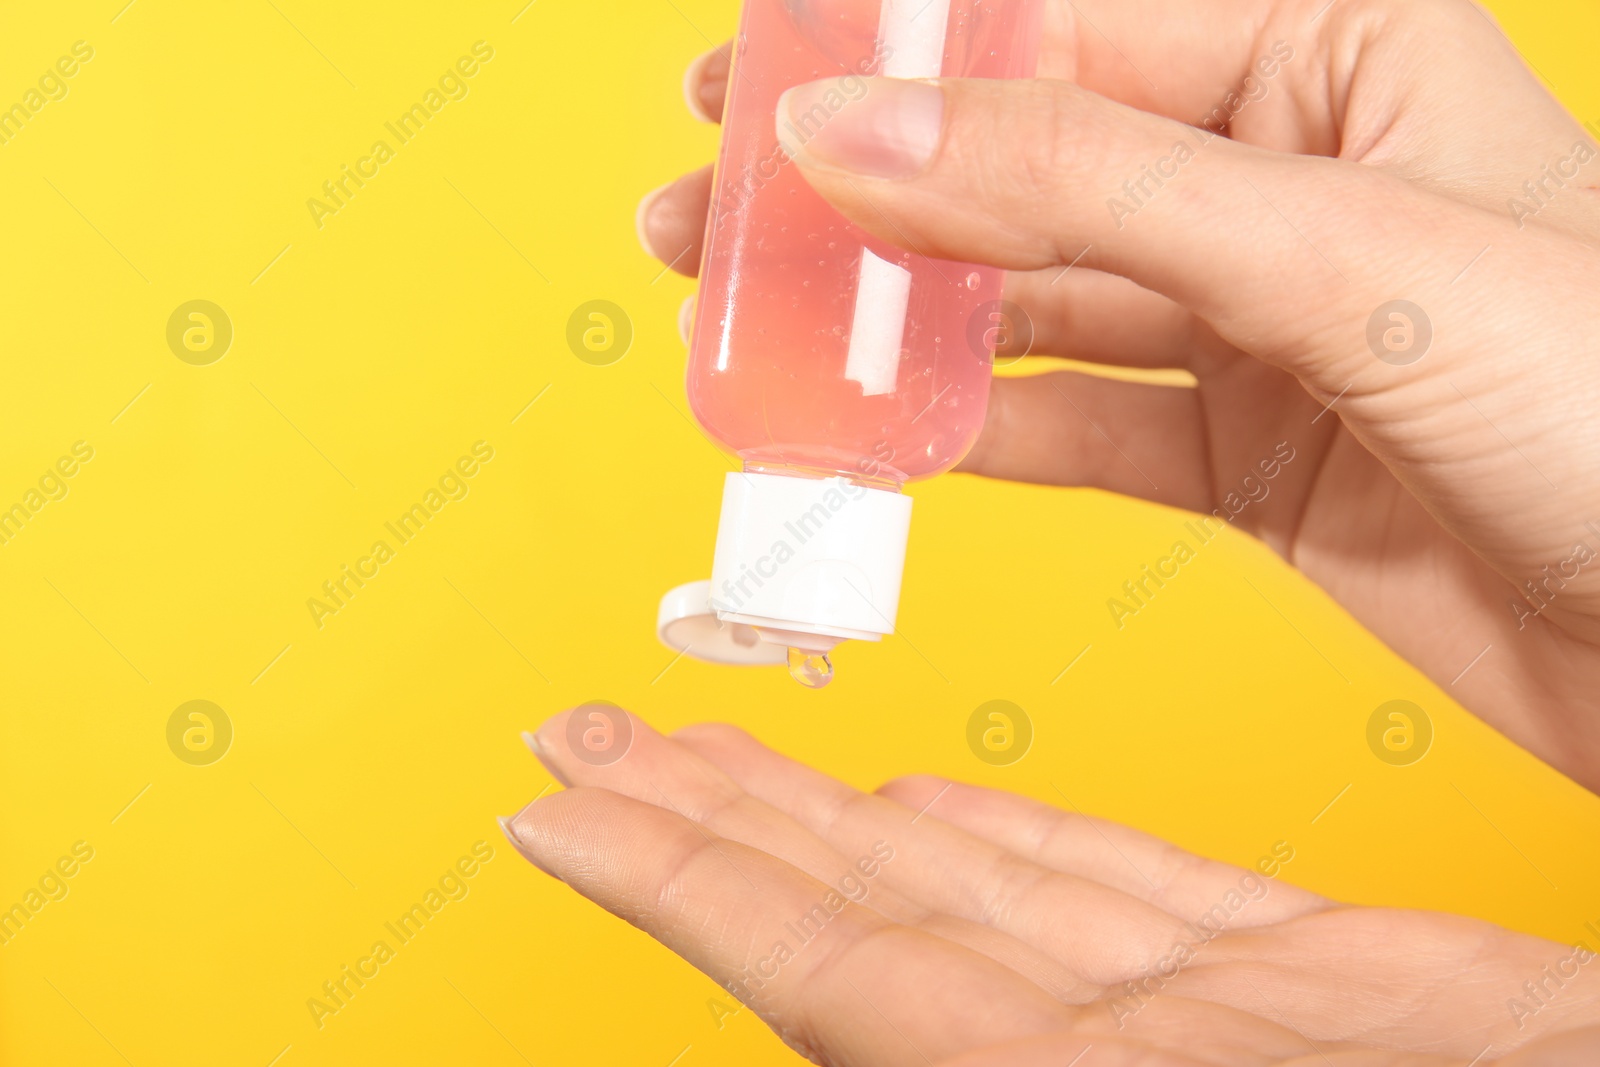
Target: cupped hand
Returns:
[[938, 923], [1445, 479]]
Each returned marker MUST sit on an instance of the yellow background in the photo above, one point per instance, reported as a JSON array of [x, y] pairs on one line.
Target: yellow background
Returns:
[[370, 754]]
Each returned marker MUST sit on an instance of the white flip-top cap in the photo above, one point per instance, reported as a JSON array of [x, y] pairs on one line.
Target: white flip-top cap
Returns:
[[688, 623], [800, 563]]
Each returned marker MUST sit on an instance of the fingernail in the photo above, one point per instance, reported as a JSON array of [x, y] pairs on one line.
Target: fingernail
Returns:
[[507, 828], [686, 320], [544, 749], [705, 85], [641, 218], [881, 128]]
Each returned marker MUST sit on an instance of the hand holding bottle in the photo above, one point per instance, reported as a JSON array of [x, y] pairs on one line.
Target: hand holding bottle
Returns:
[[1445, 457], [1388, 262]]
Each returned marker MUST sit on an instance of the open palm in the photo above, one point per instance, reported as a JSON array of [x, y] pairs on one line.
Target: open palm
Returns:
[[939, 923]]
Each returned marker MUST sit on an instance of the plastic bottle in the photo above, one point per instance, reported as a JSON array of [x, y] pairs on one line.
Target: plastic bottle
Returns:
[[835, 366]]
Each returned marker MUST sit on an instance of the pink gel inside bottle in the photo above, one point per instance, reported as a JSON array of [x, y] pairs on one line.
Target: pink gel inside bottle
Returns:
[[772, 372]]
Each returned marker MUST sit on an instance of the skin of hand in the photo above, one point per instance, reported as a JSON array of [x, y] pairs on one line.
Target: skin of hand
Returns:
[[939, 923], [1373, 152]]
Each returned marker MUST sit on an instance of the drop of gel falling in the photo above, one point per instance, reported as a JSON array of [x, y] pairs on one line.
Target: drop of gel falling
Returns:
[[810, 669]]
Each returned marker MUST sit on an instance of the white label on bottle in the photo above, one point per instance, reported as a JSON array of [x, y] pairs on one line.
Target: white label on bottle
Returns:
[[912, 33], [878, 330]]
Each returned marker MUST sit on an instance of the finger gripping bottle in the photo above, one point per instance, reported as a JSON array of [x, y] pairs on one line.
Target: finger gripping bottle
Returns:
[[835, 366]]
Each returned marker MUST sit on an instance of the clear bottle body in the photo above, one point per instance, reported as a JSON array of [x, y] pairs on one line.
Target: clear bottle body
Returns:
[[818, 349]]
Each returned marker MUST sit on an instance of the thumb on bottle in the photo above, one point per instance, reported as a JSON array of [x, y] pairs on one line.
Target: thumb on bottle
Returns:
[[1280, 252]]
